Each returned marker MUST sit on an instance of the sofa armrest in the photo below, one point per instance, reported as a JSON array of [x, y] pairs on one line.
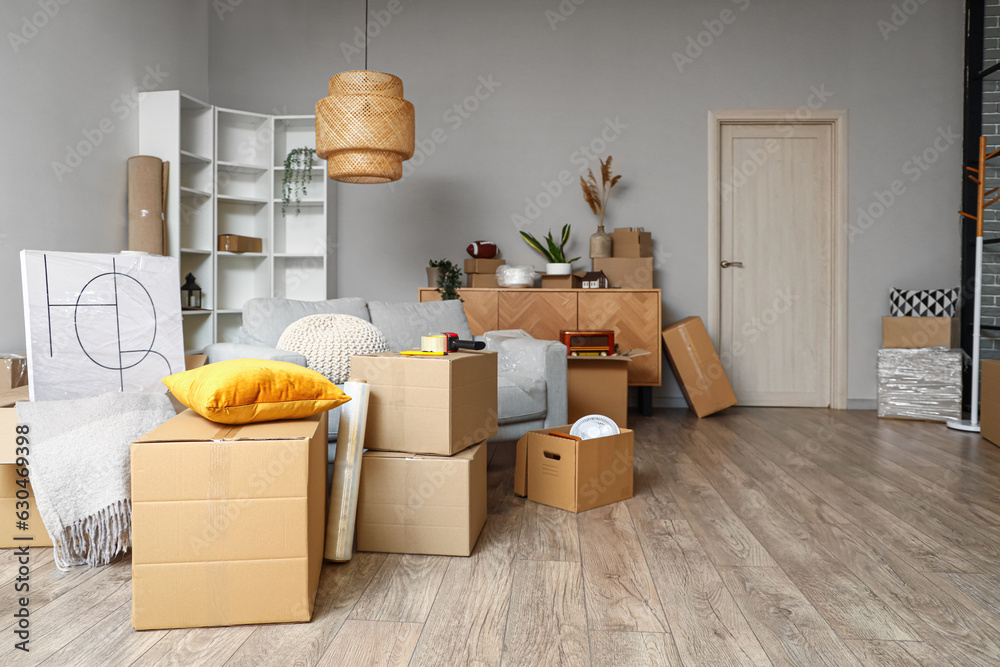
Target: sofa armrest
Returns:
[[226, 351], [518, 352]]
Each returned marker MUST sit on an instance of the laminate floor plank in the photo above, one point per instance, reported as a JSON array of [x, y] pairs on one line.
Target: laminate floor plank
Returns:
[[620, 592], [10, 565], [637, 649], [547, 624], [548, 533], [978, 592], [402, 590], [500, 498], [895, 654], [46, 582], [651, 497], [791, 630], [204, 647], [111, 641], [467, 620], [340, 588], [706, 623], [371, 643]]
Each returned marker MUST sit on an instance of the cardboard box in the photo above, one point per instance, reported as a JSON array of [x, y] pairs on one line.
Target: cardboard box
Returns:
[[571, 281], [697, 367], [629, 242], [13, 371], [483, 265], [627, 272], [235, 243], [417, 504], [919, 332], [598, 385], [481, 280], [10, 536], [989, 410], [429, 405], [228, 522], [574, 475], [9, 422]]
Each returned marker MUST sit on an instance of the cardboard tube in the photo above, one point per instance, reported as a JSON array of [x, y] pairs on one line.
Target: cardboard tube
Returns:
[[347, 473], [145, 204]]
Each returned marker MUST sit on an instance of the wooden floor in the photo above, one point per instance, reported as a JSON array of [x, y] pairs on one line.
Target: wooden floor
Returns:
[[756, 537]]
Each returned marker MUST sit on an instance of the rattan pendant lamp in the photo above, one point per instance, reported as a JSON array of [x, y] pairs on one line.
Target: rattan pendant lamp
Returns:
[[364, 128]]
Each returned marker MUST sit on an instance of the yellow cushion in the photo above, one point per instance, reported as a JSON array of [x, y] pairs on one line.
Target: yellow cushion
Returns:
[[243, 391]]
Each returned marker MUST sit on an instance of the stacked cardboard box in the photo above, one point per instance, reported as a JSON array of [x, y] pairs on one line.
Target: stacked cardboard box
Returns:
[[919, 374], [423, 478], [14, 487], [482, 272], [631, 263]]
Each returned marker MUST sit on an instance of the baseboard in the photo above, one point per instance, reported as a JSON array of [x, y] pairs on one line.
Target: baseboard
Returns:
[[862, 404]]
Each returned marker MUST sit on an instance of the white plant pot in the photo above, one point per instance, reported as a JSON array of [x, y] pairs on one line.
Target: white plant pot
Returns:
[[558, 269]]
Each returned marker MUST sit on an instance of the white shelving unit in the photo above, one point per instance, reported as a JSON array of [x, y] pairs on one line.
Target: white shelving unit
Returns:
[[225, 178]]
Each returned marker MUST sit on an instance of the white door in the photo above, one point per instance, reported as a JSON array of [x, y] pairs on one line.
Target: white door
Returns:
[[776, 275]]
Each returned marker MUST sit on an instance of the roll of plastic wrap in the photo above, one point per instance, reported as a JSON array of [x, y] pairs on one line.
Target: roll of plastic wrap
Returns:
[[347, 473], [145, 204]]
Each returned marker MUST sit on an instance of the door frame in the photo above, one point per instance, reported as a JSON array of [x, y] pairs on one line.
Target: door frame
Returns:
[[837, 121]]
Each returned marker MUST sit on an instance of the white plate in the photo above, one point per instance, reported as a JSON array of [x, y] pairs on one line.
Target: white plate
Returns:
[[594, 426]]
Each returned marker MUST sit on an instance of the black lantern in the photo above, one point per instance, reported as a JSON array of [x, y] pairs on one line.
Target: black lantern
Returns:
[[190, 293]]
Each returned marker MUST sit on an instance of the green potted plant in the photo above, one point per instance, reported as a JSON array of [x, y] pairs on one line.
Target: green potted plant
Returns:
[[597, 198], [296, 177], [447, 277], [554, 254]]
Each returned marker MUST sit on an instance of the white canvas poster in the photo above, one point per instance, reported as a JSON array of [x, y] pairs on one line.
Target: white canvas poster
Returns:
[[97, 323]]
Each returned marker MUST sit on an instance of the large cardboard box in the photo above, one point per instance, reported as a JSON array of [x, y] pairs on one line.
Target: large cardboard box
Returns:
[[598, 385], [627, 272], [571, 281], [481, 280], [473, 265], [227, 522], [629, 242], [13, 371], [419, 504], [12, 493], [920, 332], [574, 475], [989, 410], [697, 367], [429, 405]]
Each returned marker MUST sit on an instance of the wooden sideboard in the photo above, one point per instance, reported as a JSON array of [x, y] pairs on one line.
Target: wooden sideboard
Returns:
[[633, 314]]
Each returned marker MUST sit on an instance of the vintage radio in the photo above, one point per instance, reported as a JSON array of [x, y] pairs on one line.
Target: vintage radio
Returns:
[[599, 343]]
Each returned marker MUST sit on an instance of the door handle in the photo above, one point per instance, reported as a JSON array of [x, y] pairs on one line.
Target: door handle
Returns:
[[735, 265]]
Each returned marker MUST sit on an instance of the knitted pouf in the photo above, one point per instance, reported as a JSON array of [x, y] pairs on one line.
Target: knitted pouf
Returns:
[[328, 341]]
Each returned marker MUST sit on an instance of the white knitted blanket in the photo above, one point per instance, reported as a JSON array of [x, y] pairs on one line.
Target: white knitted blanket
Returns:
[[79, 470]]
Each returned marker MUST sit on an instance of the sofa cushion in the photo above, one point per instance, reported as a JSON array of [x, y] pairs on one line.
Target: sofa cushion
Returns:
[[519, 398], [403, 324], [264, 320]]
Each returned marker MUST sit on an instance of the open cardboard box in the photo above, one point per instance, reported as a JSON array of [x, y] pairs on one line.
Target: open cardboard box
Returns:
[[574, 475], [228, 522]]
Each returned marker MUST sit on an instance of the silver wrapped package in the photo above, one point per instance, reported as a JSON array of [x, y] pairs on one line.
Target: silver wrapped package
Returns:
[[920, 384]]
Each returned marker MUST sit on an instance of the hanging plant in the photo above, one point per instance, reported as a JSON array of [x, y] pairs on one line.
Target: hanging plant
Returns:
[[298, 173]]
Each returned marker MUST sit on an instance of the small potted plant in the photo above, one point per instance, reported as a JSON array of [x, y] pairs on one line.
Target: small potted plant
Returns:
[[447, 277], [554, 254], [597, 199]]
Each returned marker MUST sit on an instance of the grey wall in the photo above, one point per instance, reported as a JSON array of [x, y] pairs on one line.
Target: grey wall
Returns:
[[69, 76]]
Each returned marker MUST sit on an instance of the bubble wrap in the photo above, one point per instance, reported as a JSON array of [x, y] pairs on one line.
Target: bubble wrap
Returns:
[[920, 384]]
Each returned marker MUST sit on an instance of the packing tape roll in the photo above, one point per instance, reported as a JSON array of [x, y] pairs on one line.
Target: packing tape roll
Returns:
[[434, 343], [347, 473]]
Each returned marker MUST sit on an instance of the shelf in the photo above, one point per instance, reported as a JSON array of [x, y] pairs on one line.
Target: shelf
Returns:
[[304, 202], [229, 312], [298, 255], [195, 251], [202, 311], [241, 168], [192, 192], [188, 157], [242, 200], [226, 253], [188, 102], [313, 168]]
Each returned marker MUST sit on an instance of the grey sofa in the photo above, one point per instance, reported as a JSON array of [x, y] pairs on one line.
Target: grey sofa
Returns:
[[531, 380]]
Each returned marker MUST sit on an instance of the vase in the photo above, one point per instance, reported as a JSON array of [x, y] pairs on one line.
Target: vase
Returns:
[[432, 276], [600, 243], [560, 269]]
